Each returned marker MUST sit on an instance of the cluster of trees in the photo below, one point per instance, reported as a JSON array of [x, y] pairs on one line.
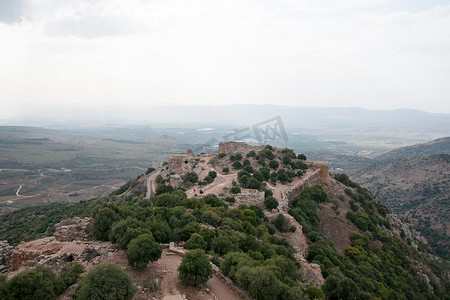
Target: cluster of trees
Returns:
[[171, 216], [39, 283], [271, 158], [252, 178]]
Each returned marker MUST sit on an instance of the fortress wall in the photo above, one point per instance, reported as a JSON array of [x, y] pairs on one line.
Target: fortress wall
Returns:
[[238, 147], [322, 166], [289, 193]]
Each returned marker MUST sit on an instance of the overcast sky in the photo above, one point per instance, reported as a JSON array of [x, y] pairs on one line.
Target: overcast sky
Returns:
[[375, 54]]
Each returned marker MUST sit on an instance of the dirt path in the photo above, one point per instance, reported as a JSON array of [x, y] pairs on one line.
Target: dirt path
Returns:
[[220, 290], [171, 288], [168, 265]]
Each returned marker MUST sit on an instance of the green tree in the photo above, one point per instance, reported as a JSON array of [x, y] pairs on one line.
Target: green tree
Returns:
[[280, 223], [273, 164], [3, 287], [195, 267], [270, 203], [237, 165], [103, 220], [253, 183], [143, 249], [30, 285], [260, 282], [223, 244], [131, 234], [119, 228], [190, 177], [105, 282], [315, 293], [196, 241]]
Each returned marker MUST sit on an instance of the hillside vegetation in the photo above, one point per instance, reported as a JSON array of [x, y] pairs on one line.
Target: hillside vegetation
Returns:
[[414, 182], [362, 250]]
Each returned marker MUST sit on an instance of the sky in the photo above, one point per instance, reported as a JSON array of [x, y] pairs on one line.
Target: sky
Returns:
[[375, 54]]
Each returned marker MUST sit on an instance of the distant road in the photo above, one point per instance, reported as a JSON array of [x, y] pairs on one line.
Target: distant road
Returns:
[[150, 180], [18, 190]]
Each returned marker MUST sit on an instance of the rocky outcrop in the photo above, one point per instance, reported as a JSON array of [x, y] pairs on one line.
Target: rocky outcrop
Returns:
[[75, 229], [5, 256], [72, 240], [400, 226]]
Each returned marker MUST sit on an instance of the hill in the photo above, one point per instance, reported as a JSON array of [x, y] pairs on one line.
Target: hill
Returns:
[[414, 182], [435, 147], [279, 226]]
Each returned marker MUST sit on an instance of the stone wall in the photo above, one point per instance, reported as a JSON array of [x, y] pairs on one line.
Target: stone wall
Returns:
[[74, 229], [229, 283], [250, 197], [322, 166], [5, 256], [289, 193], [181, 163]]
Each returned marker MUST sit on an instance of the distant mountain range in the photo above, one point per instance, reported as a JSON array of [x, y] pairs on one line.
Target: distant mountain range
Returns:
[[238, 115]]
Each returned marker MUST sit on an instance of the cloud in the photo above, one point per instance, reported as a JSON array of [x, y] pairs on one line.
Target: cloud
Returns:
[[11, 11]]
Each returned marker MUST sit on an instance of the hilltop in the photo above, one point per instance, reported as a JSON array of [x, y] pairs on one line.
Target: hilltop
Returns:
[[274, 224]]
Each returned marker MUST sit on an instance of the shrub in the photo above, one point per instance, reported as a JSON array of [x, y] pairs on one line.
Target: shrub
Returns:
[[149, 170], [230, 199], [105, 281], [225, 169], [30, 284], [235, 190], [237, 165], [195, 267], [301, 156], [274, 164]]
